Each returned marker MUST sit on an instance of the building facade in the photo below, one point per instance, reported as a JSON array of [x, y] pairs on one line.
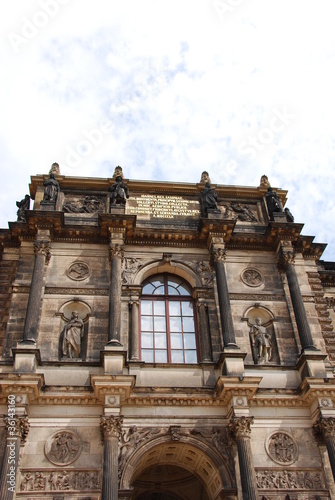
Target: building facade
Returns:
[[164, 341]]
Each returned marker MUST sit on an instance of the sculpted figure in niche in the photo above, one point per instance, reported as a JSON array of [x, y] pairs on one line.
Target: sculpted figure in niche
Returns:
[[23, 205], [72, 335], [260, 342], [51, 189], [119, 192]]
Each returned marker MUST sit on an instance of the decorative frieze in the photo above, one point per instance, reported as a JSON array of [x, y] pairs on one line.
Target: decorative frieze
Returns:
[[46, 480], [290, 479]]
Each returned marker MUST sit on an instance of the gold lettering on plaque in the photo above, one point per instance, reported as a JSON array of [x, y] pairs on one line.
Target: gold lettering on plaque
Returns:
[[163, 206]]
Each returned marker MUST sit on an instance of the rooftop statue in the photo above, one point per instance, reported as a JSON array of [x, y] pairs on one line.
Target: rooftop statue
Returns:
[[209, 198], [273, 202], [119, 191], [51, 189], [23, 205]]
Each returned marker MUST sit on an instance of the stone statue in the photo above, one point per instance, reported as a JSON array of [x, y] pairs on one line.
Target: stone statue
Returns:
[[72, 335], [119, 191], [260, 342], [273, 202], [51, 189], [209, 198], [205, 177], [264, 181], [23, 205], [54, 169], [289, 216]]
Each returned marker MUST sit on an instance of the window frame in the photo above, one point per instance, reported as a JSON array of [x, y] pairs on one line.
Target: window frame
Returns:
[[166, 299]]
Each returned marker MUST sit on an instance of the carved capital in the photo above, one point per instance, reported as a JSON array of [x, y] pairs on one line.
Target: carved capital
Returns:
[[43, 247], [240, 427], [17, 427], [202, 306], [111, 427], [116, 250], [219, 254], [133, 303], [325, 427], [285, 259]]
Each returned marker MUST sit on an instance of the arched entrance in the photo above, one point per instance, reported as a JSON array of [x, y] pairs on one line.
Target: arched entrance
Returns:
[[164, 469]]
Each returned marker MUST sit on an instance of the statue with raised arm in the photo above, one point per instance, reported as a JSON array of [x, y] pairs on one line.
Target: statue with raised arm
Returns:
[[72, 335], [260, 342], [23, 205]]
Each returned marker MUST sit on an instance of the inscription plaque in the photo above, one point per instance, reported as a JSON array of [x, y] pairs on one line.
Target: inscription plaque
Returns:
[[162, 206]]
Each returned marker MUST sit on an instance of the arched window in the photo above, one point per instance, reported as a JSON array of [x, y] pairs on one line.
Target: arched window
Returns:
[[167, 321]]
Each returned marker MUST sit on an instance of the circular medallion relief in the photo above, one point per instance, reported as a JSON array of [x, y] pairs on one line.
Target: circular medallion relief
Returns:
[[282, 448], [63, 448], [252, 277], [78, 271]]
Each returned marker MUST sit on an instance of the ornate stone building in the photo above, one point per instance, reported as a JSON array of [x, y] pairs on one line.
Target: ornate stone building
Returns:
[[164, 341]]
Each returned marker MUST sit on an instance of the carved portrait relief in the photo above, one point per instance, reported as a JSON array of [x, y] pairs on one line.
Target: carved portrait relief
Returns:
[[63, 447], [252, 277], [282, 448]]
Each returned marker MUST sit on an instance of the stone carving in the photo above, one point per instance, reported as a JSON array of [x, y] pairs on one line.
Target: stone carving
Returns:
[[88, 205], [261, 343], [289, 479], [205, 177], [116, 250], [252, 277], [17, 427], [237, 211], [264, 182], [43, 247], [219, 254], [63, 448], [51, 190], [54, 169], [60, 480], [218, 438], [289, 216], [78, 271], [209, 199], [282, 448], [119, 191], [205, 271], [325, 427], [23, 205], [72, 334], [240, 427], [130, 268], [273, 203], [111, 427]]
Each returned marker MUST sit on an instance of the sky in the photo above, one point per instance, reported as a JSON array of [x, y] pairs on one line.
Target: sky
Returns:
[[168, 89]]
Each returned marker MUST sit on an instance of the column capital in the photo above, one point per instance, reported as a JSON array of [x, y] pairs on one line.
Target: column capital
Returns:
[[17, 427], [219, 253], [43, 247], [111, 427], [286, 258], [116, 250], [240, 427], [325, 427]]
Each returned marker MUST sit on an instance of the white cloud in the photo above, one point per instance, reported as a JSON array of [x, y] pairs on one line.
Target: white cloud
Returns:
[[182, 88]]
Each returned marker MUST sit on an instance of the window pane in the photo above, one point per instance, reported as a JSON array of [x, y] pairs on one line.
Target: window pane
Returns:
[[160, 356], [160, 340], [175, 324], [146, 307], [159, 290], [188, 325], [159, 324], [159, 308], [177, 356], [148, 289], [147, 340], [183, 291], [189, 341], [191, 357], [146, 323], [176, 341], [174, 308], [172, 290], [187, 308], [147, 356]]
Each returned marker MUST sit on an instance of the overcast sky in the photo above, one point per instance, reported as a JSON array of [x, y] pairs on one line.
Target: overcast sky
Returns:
[[169, 88]]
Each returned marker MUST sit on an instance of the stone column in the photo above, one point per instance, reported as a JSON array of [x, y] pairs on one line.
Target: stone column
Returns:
[[305, 335], [17, 429], [240, 430], [111, 428], [204, 338], [42, 257], [219, 256], [325, 427], [116, 252], [134, 329]]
